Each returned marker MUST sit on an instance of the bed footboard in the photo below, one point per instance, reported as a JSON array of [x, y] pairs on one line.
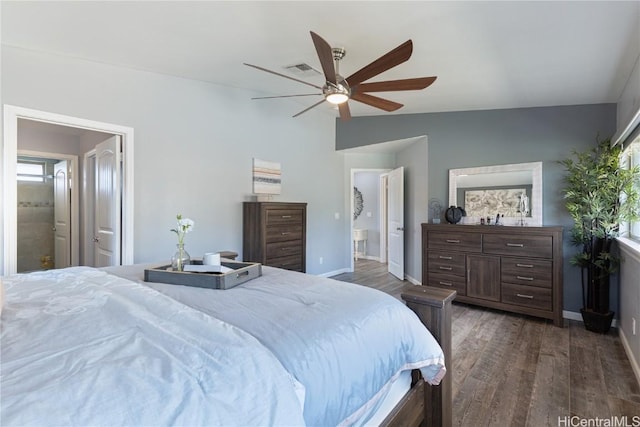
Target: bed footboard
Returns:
[[425, 404]]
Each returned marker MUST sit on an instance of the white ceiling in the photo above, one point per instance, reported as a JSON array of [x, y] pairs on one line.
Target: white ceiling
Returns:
[[487, 55]]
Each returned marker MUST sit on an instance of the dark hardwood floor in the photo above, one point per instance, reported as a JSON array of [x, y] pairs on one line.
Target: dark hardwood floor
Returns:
[[513, 370]]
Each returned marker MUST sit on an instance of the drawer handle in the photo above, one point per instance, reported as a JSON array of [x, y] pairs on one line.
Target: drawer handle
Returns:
[[524, 278], [446, 283], [515, 245], [284, 233], [524, 296], [244, 273], [286, 216], [445, 257], [293, 249], [453, 241], [525, 265], [446, 268]]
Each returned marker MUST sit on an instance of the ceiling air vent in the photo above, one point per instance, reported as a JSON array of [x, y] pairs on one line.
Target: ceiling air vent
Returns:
[[302, 70]]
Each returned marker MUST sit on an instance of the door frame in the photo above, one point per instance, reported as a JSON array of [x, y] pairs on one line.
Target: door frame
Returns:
[[75, 189], [9, 180]]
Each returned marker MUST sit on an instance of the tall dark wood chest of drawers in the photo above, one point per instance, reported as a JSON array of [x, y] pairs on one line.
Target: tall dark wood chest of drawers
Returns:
[[275, 234], [517, 269]]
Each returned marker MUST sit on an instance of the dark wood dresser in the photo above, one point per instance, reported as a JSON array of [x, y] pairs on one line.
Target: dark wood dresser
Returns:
[[517, 269], [275, 234]]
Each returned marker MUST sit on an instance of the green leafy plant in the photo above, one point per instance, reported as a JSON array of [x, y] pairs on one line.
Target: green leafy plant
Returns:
[[599, 195]]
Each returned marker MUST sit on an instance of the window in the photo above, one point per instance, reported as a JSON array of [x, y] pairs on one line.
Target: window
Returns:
[[631, 158], [31, 171]]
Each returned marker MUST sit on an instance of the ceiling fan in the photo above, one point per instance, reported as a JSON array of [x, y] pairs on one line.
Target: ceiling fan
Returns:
[[339, 90]]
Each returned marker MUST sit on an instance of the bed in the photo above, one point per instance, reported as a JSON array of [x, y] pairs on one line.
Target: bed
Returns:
[[83, 346]]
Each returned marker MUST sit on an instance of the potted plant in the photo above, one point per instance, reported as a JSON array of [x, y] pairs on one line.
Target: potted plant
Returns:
[[599, 196]]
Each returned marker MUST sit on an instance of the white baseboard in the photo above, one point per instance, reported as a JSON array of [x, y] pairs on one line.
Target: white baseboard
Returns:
[[572, 315], [632, 360], [412, 280], [369, 257], [334, 273]]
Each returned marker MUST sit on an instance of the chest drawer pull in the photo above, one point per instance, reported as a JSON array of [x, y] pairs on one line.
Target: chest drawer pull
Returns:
[[286, 216], [284, 233], [524, 296], [446, 283], [515, 245], [524, 278], [445, 268], [525, 265], [445, 257], [453, 241]]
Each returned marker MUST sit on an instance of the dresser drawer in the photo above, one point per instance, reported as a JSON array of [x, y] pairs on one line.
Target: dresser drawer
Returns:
[[446, 262], [284, 216], [280, 249], [293, 262], [468, 242], [448, 281], [527, 296], [282, 233], [528, 246], [531, 272]]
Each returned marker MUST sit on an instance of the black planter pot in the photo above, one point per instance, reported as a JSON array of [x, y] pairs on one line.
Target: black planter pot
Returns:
[[596, 322]]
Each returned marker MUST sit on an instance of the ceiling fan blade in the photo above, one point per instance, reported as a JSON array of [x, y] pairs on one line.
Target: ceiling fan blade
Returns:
[[326, 57], [345, 112], [389, 60], [394, 85], [307, 109], [374, 101], [286, 96], [283, 75]]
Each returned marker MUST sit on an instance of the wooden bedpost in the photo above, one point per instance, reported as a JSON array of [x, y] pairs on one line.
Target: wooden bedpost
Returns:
[[433, 307]]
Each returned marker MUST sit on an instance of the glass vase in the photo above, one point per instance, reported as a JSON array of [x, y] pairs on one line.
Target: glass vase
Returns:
[[180, 258]]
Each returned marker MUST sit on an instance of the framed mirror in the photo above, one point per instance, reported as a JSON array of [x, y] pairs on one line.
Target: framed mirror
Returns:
[[514, 191]]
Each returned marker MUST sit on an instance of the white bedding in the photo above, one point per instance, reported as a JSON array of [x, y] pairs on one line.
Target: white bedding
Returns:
[[345, 343], [81, 347]]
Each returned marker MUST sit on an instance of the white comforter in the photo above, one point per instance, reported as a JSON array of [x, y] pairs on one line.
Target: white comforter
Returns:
[[81, 347], [345, 343]]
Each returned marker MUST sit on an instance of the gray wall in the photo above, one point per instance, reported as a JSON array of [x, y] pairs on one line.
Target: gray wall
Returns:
[[483, 138], [194, 144]]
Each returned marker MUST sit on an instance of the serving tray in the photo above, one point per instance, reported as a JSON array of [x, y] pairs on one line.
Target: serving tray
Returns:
[[241, 272]]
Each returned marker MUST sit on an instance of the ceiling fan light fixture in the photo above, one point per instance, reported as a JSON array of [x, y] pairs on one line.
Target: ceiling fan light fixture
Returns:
[[336, 94], [337, 98]]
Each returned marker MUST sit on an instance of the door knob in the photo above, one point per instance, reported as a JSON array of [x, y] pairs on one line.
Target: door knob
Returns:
[[96, 240], [400, 229]]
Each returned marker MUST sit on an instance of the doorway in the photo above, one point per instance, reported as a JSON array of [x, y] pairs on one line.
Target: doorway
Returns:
[[16, 116], [368, 213], [47, 212], [377, 225]]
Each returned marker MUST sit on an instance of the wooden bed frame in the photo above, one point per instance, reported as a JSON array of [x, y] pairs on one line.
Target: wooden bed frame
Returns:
[[425, 404]]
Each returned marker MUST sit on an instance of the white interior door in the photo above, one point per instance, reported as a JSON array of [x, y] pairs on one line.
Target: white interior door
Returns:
[[108, 177], [395, 222], [61, 215], [88, 208]]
